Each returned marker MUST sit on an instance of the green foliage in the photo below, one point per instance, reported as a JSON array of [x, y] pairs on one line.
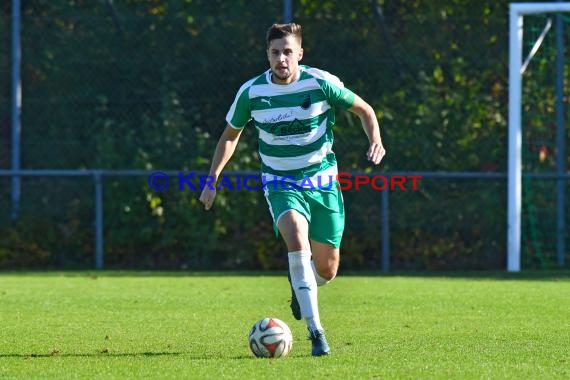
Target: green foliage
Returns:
[[147, 84], [39, 243], [20, 248]]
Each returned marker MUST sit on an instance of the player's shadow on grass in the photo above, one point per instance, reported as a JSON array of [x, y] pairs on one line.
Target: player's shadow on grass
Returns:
[[98, 354], [124, 354]]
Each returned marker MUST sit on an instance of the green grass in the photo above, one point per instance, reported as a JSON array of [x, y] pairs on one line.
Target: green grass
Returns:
[[172, 326]]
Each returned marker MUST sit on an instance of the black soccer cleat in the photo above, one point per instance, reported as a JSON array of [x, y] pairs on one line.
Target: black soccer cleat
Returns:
[[295, 307]]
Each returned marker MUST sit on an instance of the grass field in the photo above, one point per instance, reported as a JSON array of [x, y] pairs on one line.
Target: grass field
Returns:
[[172, 326]]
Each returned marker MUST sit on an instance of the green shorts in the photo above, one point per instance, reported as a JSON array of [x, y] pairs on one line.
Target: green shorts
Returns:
[[323, 208]]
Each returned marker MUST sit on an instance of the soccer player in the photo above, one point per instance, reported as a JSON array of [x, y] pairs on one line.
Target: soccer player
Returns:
[[293, 107]]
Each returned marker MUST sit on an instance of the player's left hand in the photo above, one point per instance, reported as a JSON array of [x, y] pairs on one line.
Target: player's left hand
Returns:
[[375, 153]]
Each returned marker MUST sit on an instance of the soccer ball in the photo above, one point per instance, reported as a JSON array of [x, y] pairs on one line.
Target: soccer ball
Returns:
[[270, 338]]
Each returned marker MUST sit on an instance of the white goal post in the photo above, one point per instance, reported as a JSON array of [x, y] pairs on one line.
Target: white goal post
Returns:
[[514, 191]]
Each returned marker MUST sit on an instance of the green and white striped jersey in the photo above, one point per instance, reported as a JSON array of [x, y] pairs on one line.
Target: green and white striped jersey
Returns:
[[294, 122]]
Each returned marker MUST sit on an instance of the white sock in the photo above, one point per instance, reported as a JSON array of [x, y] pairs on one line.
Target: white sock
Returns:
[[320, 281], [305, 286]]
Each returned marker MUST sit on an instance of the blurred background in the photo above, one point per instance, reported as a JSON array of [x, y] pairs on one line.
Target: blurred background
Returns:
[[115, 90]]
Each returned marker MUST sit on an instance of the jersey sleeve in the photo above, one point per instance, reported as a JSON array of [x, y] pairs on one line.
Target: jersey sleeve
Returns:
[[333, 88], [336, 95], [240, 111]]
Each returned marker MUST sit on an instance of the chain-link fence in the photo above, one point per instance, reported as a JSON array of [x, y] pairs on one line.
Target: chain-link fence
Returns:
[[146, 86]]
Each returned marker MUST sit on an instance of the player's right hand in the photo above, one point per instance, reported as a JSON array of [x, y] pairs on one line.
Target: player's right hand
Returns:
[[207, 197]]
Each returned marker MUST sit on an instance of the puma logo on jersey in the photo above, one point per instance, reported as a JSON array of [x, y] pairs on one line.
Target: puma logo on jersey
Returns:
[[268, 101]]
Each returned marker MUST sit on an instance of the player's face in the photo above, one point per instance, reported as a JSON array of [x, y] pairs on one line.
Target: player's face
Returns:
[[284, 55]]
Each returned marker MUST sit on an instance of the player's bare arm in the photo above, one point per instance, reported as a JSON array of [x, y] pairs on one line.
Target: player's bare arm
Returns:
[[370, 124], [224, 151]]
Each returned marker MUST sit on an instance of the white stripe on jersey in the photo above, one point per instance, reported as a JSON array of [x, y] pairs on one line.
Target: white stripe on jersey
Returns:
[[298, 162], [322, 74], [286, 114]]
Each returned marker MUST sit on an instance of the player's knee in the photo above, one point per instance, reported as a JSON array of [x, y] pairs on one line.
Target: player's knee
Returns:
[[328, 274]]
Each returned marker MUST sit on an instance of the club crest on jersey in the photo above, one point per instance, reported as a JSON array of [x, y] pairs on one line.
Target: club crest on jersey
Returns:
[[306, 102]]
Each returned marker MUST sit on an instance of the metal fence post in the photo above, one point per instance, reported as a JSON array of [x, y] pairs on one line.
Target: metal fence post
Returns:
[[560, 146], [287, 11], [97, 177], [385, 220], [16, 106]]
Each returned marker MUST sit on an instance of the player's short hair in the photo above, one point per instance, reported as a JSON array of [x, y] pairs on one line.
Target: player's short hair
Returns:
[[277, 31]]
